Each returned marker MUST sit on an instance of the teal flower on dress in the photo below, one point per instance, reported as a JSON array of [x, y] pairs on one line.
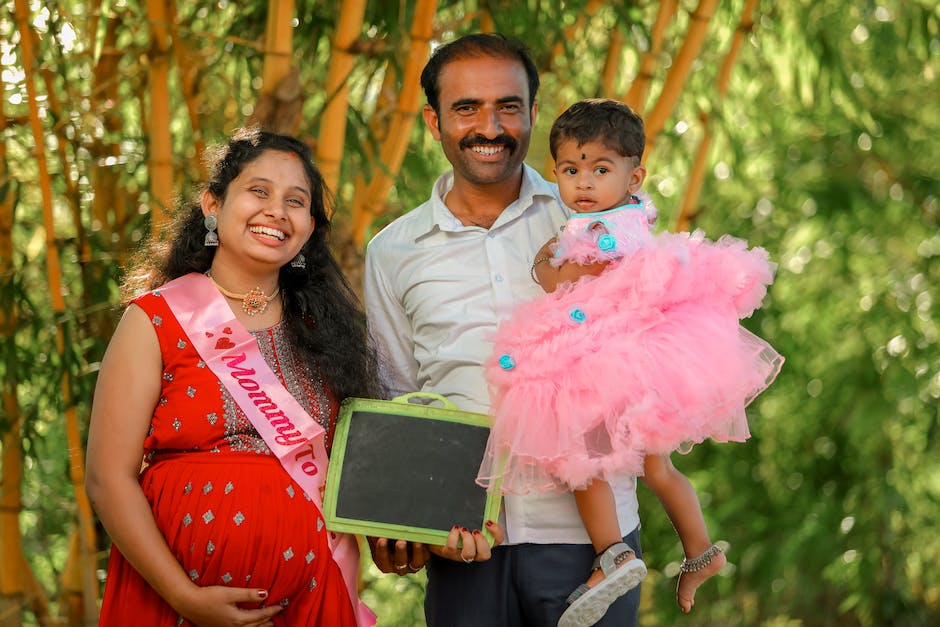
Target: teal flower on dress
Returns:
[[578, 315], [506, 362], [607, 242]]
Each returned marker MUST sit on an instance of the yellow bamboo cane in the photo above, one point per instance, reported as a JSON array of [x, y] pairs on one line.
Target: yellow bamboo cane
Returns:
[[612, 63], [571, 33], [71, 186], [104, 209], [393, 149], [332, 137], [697, 175], [639, 88], [487, 23], [279, 102], [54, 275], [679, 72], [12, 585], [36, 597], [161, 146], [189, 74], [379, 124]]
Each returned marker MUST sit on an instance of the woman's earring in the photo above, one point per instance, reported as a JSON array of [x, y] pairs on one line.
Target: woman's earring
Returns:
[[299, 262], [211, 222]]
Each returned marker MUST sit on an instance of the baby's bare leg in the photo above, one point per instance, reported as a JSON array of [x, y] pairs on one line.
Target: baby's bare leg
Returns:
[[678, 498], [598, 511]]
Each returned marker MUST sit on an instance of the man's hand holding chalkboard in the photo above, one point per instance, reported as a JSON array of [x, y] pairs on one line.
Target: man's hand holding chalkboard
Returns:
[[398, 556]]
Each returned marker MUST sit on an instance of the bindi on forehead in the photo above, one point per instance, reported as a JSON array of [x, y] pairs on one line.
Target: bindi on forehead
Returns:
[[583, 156]]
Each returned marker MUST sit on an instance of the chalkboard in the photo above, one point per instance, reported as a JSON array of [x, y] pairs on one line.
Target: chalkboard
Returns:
[[407, 471]]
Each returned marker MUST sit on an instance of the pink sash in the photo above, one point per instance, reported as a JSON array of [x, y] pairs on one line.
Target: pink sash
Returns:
[[232, 354]]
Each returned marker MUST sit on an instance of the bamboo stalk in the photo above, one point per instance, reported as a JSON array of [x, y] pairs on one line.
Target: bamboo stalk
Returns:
[[697, 175], [93, 10], [12, 585], [279, 102], [332, 138], [72, 194], [54, 276], [278, 44], [109, 203], [35, 596], [612, 63], [189, 83], [487, 23], [679, 72], [379, 124], [393, 149], [639, 88], [570, 33], [161, 145]]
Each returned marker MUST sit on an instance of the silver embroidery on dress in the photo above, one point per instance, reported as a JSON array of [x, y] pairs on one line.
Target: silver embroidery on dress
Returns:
[[306, 387]]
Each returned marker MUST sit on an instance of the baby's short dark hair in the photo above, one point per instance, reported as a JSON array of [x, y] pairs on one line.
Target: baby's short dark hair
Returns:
[[603, 120]]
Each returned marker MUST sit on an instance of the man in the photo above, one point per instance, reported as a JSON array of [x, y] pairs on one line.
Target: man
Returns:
[[438, 281]]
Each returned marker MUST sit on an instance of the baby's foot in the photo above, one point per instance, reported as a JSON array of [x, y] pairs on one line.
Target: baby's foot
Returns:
[[598, 575], [695, 572], [616, 571]]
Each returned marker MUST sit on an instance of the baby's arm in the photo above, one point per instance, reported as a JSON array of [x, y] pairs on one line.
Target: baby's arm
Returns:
[[550, 277]]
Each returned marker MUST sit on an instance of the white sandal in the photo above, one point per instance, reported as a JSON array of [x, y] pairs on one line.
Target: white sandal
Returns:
[[588, 604]]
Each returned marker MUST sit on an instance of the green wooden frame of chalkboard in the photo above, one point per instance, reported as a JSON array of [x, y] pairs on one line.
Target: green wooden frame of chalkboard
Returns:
[[406, 470]]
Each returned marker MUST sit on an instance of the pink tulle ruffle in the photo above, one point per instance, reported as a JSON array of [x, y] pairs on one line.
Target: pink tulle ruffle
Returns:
[[647, 358]]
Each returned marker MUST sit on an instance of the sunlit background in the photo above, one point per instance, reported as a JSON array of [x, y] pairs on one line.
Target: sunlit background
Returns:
[[812, 125]]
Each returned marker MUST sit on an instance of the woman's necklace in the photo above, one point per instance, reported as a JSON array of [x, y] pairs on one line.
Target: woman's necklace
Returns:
[[254, 302]]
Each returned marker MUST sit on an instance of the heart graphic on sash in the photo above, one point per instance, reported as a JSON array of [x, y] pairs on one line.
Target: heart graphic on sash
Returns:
[[227, 330], [209, 334], [224, 343]]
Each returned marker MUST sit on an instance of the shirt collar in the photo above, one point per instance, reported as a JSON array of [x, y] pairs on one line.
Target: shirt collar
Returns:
[[441, 219]]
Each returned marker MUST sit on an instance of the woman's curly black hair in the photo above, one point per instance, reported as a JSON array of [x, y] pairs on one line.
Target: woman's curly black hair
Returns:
[[323, 317]]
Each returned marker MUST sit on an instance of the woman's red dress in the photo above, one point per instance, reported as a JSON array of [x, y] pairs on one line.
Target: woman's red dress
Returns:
[[230, 513]]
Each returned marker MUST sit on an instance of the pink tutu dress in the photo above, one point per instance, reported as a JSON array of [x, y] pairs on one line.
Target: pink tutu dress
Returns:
[[647, 358]]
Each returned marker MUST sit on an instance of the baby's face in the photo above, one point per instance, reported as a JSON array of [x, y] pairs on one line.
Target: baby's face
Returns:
[[592, 177]]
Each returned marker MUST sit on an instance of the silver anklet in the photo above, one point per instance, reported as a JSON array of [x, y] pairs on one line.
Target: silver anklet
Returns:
[[698, 563]]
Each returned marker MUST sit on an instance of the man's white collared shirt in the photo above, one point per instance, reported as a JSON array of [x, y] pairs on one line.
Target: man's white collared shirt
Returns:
[[435, 291]]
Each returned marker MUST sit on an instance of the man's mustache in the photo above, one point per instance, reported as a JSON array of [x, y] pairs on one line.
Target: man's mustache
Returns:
[[480, 140]]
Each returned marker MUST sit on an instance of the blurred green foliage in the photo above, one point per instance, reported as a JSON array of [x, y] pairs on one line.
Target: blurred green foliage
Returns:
[[825, 153]]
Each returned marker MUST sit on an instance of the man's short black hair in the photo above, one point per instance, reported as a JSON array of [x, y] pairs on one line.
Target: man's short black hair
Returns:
[[476, 46]]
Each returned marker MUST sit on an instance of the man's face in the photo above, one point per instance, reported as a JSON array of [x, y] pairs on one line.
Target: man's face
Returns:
[[485, 120]]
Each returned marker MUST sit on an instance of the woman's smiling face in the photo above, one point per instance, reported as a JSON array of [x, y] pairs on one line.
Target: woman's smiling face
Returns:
[[265, 215]]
